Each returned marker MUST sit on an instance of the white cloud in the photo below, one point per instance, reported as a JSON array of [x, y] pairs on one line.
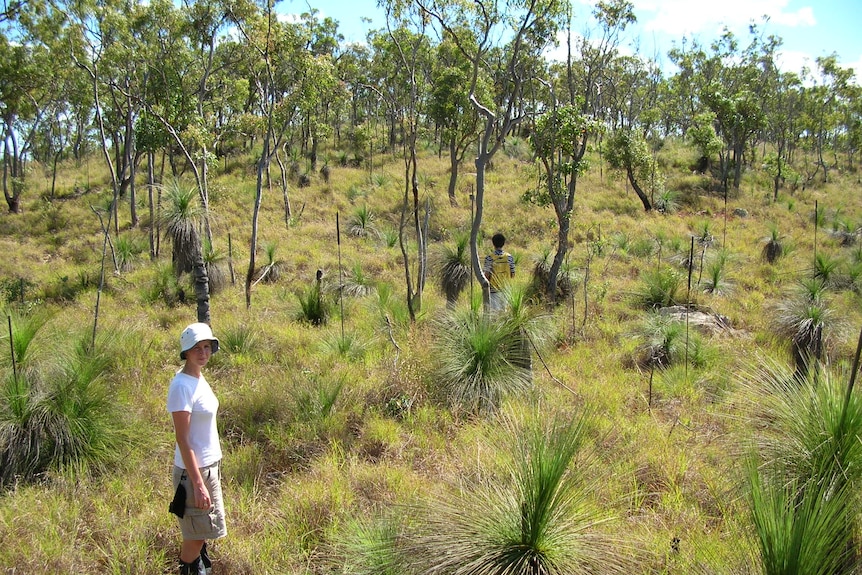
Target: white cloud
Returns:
[[794, 61], [857, 69], [802, 17], [288, 18], [684, 17]]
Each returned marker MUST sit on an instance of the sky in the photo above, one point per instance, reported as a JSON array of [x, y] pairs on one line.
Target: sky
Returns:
[[809, 28]]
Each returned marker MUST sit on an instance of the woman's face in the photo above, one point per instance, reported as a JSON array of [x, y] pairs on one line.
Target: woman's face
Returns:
[[200, 354]]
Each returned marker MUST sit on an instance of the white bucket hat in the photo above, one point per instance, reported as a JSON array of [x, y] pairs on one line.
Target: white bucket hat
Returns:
[[195, 333]]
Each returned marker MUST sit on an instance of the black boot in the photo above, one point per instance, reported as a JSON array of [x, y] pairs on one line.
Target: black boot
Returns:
[[195, 567], [205, 560]]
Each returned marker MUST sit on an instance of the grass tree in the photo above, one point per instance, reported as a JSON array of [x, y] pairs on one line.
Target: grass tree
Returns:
[[659, 288], [805, 470], [480, 360], [315, 307], [357, 283], [181, 217], [826, 269], [662, 340], [271, 271], [532, 519], [370, 546], [455, 269], [774, 247], [806, 318], [59, 415], [716, 282], [362, 222]]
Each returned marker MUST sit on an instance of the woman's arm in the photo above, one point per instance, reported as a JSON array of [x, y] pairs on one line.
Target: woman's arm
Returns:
[[182, 425]]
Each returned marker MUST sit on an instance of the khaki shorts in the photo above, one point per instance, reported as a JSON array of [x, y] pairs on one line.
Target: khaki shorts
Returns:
[[200, 524]]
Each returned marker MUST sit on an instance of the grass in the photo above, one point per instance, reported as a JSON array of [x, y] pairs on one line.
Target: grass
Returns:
[[334, 442]]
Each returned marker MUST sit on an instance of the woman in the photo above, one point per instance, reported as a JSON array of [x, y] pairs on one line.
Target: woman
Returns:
[[193, 406]]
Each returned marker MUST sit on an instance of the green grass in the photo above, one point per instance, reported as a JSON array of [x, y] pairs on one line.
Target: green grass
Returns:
[[335, 441]]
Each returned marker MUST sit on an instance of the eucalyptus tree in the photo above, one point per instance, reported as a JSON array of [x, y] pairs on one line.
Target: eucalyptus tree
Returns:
[[286, 81], [724, 82], [628, 151], [629, 96], [352, 68], [854, 124], [110, 43], [451, 110], [528, 27], [681, 102], [783, 109], [323, 41], [27, 88], [825, 103], [561, 134], [405, 52]]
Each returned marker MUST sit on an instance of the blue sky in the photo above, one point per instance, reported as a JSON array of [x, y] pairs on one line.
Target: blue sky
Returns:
[[809, 28]]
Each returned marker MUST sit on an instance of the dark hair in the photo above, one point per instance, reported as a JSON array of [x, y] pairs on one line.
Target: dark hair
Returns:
[[499, 240]]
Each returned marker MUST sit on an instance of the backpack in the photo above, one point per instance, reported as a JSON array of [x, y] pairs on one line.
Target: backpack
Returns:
[[500, 271]]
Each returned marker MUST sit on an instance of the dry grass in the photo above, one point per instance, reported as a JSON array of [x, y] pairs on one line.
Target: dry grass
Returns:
[[294, 476]]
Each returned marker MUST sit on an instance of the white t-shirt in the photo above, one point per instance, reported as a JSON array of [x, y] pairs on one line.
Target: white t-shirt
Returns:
[[187, 393]]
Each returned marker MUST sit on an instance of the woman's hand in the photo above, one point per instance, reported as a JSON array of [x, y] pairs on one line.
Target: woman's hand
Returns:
[[202, 497]]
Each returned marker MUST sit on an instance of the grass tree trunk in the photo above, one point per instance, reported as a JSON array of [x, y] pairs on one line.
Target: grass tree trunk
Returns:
[[202, 291], [453, 171]]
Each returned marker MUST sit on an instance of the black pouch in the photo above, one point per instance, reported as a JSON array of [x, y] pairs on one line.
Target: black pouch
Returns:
[[178, 505]]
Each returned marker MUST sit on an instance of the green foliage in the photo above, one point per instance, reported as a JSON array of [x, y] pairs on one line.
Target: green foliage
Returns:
[[818, 216], [348, 346], [628, 152], [702, 135], [560, 136], [389, 235], [825, 268], [25, 327], [370, 546], [164, 286], [127, 248], [53, 216], [239, 339]]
